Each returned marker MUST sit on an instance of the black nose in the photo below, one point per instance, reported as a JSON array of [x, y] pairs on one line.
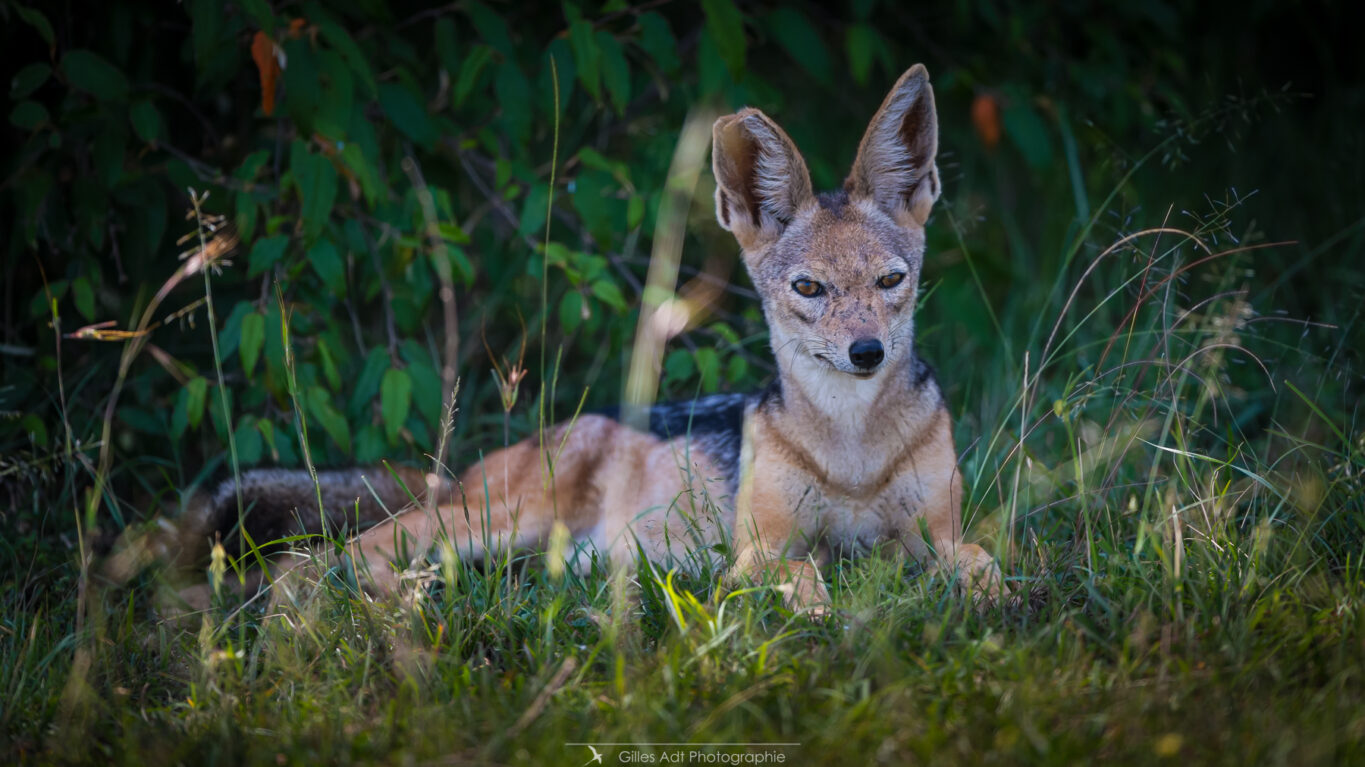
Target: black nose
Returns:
[[866, 353]]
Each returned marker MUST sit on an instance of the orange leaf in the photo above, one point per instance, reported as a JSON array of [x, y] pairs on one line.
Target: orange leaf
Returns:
[[263, 53], [986, 118], [328, 146], [332, 149]]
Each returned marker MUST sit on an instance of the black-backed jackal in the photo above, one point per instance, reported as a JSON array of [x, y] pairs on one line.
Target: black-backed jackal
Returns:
[[849, 450]]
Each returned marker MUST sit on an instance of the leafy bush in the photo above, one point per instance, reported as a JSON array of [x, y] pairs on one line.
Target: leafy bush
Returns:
[[356, 155]]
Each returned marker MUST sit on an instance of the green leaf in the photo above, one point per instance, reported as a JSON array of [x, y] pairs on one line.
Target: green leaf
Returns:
[[253, 339], [609, 293], [265, 253], [635, 211], [316, 180], [490, 27], [146, 121], [180, 174], [395, 400], [679, 365], [559, 78], [533, 210], [260, 13], [450, 231], [321, 408], [726, 25], [267, 430], [1029, 134], [230, 331], [179, 421], [302, 84], [447, 50], [571, 311], [711, 71], [30, 197], [354, 157], [142, 420], [84, 297], [34, 427], [251, 165], [591, 158], [408, 114], [35, 18], [247, 212], [39, 306], [514, 96], [206, 26], [478, 58], [367, 384], [90, 205], [596, 201], [708, 364], [736, 369], [28, 80], [89, 72], [558, 254], [336, 104], [726, 332], [340, 40], [421, 436], [214, 410], [275, 331], [587, 56], [329, 365], [426, 382], [615, 70], [248, 439], [656, 38], [286, 452], [802, 42], [859, 40], [28, 115], [196, 392], [369, 445], [327, 263], [462, 266]]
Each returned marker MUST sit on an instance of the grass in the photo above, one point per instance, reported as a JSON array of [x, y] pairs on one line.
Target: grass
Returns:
[[1170, 478]]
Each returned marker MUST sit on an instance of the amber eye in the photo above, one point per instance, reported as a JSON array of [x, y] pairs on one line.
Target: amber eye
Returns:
[[808, 288], [891, 280]]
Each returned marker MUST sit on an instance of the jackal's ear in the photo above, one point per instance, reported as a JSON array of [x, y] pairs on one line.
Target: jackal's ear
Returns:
[[761, 180], [895, 163]]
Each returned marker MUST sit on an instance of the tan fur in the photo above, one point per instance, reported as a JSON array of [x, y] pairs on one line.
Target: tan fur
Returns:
[[608, 484], [841, 458]]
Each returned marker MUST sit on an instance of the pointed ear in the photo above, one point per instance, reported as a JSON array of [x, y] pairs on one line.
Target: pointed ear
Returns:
[[761, 180], [895, 163]]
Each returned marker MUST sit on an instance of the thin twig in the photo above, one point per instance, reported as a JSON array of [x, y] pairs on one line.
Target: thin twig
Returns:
[[440, 262]]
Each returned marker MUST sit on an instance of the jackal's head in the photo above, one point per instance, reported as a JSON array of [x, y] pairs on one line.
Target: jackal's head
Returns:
[[838, 271]]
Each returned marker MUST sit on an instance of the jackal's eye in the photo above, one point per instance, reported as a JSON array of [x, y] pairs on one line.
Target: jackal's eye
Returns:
[[808, 288], [891, 280]]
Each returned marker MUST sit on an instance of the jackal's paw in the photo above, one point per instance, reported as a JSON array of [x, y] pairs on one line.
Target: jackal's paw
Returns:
[[797, 580], [974, 574], [803, 595]]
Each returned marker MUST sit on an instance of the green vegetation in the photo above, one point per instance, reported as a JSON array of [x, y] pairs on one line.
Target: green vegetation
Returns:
[[1143, 298]]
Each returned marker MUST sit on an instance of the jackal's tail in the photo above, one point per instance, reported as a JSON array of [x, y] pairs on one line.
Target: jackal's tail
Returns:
[[275, 504]]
